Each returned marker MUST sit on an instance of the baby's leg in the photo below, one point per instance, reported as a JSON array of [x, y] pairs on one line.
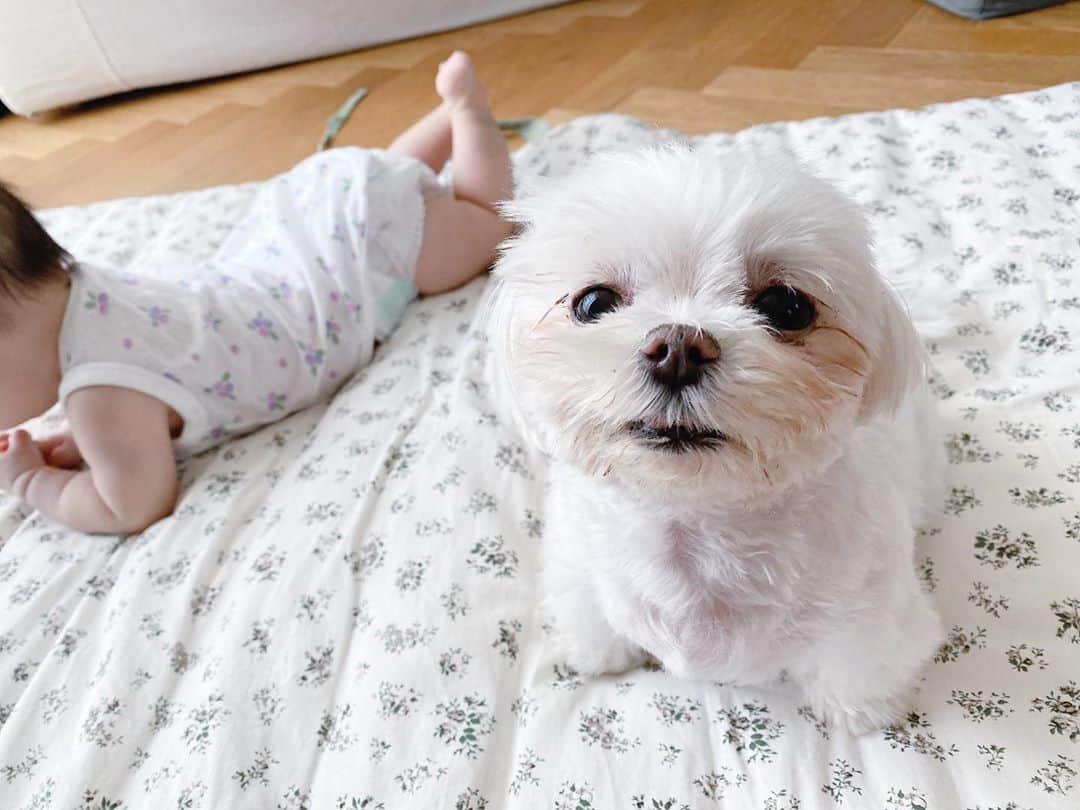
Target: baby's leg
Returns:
[[459, 242], [461, 233], [428, 139], [481, 162]]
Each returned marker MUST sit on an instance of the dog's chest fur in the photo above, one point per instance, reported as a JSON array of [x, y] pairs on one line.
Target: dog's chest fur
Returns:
[[726, 567], [708, 592]]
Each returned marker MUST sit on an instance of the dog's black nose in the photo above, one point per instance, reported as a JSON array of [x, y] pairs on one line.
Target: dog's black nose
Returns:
[[676, 354]]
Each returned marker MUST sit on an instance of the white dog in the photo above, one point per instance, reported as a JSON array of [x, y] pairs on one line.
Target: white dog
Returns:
[[734, 403]]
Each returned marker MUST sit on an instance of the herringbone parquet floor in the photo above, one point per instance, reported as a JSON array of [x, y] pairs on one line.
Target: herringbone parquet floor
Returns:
[[695, 65]]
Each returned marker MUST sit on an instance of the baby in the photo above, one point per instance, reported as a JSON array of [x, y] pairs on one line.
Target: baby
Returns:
[[170, 361]]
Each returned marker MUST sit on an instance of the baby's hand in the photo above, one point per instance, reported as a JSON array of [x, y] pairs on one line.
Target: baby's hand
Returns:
[[60, 451], [18, 454]]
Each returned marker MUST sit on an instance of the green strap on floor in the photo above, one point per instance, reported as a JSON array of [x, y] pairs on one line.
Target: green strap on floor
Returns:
[[528, 128], [338, 119]]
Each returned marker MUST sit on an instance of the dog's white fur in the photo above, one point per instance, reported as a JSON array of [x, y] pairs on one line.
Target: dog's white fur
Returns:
[[788, 547]]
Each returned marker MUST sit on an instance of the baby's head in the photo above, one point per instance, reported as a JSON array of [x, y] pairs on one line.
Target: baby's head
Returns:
[[29, 257], [32, 266]]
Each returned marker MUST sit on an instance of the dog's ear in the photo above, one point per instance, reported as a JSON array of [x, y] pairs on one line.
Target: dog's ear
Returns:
[[897, 358], [506, 325], [533, 196]]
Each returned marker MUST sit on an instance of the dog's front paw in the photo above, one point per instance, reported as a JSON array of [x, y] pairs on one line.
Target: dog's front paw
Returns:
[[590, 656]]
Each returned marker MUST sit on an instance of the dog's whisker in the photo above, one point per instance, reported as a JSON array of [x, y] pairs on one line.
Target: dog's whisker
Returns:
[[549, 310]]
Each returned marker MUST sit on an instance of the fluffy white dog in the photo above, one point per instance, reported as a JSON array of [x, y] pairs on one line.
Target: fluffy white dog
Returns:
[[735, 407]]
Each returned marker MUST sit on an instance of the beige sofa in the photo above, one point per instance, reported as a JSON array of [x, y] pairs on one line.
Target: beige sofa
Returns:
[[60, 52]]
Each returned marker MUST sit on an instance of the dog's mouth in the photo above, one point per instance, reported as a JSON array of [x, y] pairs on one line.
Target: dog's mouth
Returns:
[[675, 438]]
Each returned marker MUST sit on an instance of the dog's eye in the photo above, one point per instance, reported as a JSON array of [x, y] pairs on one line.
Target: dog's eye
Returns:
[[785, 309], [594, 302]]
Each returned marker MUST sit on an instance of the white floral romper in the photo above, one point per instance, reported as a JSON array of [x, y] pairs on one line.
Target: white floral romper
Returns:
[[290, 305]]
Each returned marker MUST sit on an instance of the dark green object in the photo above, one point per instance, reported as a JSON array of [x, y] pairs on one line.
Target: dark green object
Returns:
[[528, 128], [338, 119]]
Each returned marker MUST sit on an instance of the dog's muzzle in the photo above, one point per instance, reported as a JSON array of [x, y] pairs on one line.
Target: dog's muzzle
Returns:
[[675, 438], [677, 355]]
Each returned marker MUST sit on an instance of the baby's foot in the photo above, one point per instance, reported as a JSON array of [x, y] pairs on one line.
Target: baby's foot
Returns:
[[457, 83]]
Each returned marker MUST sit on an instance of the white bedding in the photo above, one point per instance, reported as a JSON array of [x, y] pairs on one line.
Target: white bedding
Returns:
[[340, 614]]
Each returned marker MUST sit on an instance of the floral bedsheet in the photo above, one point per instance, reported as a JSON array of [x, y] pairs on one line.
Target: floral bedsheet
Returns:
[[341, 612]]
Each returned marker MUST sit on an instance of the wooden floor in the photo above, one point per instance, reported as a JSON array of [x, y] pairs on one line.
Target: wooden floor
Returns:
[[696, 65]]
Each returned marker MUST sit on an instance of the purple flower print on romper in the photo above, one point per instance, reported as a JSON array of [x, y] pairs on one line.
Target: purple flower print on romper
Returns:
[[262, 326], [281, 291], [275, 401], [159, 316], [339, 232], [313, 357], [361, 229], [223, 388], [333, 332], [212, 321], [352, 307], [98, 301]]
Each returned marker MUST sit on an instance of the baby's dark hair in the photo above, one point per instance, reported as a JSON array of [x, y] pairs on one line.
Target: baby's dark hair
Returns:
[[29, 257]]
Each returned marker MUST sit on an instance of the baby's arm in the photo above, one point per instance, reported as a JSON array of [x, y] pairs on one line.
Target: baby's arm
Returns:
[[130, 478]]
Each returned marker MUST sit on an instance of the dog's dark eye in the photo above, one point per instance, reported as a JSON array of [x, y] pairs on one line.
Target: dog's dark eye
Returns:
[[594, 302], [785, 309]]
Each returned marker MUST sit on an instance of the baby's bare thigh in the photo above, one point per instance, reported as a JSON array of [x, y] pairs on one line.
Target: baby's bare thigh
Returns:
[[459, 243]]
